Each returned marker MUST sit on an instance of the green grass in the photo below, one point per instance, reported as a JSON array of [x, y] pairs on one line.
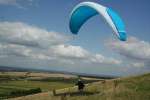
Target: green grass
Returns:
[[10, 84], [130, 88], [133, 88], [45, 86]]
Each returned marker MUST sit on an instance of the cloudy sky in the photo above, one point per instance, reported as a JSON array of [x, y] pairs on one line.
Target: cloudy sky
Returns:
[[35, 34]]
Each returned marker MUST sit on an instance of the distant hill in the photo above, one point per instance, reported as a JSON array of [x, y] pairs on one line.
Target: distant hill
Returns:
[[6, 69], [130, 88], [17, 69]]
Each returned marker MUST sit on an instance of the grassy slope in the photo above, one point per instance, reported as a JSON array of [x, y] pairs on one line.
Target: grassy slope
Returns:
[[10, 82], [21, 84], [132, 88], [6, 88]]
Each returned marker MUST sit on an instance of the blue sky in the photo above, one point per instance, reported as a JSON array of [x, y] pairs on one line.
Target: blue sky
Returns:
[[95, 37]]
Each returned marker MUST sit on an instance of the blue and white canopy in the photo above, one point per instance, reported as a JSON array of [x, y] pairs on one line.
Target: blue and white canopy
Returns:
[[83, 11]]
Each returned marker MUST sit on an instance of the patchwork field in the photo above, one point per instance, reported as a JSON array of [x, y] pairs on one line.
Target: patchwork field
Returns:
[[130, 88], [14, 84]]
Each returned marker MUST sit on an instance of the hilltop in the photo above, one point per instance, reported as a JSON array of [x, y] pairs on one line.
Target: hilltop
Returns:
[[129, 88], [15, 84]]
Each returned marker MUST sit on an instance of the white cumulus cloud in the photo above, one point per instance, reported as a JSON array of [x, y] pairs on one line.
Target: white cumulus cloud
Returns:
[[8, 2], [24, 34], [22, 44], [18, 39], [133, 48], [17, 3], [135, 52]]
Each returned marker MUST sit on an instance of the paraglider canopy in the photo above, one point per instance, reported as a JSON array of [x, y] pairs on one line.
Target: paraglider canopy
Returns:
[[83, 11]]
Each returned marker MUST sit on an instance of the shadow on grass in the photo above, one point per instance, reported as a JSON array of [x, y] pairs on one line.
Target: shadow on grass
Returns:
[[77, 93]]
